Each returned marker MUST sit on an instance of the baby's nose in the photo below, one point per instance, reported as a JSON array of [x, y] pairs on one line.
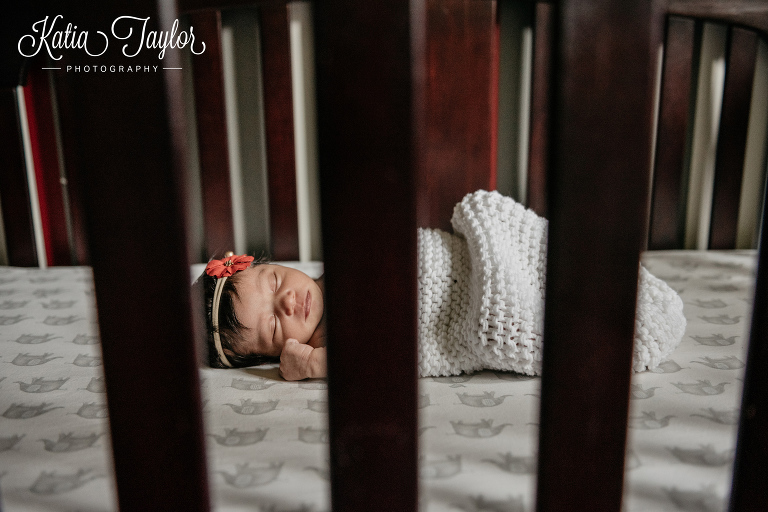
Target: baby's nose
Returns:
[[288, 302]]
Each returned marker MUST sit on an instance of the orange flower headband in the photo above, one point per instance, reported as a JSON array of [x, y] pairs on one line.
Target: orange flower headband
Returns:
[[221, 270]]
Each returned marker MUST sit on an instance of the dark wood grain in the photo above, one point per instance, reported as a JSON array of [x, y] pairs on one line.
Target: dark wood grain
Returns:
[[598, 202], [667, 229], [541, 100], [461, 56], [131, 150], [208, 81], [278, 121], [732, 138], [368, 153], [749, 492], [14, 190], [45, 154]]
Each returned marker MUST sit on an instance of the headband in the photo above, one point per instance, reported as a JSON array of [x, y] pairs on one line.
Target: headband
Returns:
[[221, 270]]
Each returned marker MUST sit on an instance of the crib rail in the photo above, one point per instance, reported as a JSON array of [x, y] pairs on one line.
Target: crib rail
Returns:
[[388, 82]]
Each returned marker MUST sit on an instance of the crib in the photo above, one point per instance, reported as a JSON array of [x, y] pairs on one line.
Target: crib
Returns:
[[405, 128]]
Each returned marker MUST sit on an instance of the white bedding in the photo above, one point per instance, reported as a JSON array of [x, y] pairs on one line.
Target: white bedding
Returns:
[[268, 438]]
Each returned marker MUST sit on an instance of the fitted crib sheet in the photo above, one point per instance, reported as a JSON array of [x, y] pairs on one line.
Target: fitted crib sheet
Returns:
[[267, 438]]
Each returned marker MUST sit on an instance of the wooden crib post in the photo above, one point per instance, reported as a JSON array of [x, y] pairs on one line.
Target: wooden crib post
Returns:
[[598, 200], [750, 472], [368, 119], [130, 150]]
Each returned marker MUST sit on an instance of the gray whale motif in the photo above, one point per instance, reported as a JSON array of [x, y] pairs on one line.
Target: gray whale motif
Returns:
[[97, 385], [487, 399], [43, 279], [248, 407], [522, 465], [721, 319], [724, 288], [724, 417], [233, 437], [30, 360], [716, 340], [439, 469], [648, 421], [482, 429], [45, 293], [50, 483], [84, 339], [696, 501], [481, 504], [61, 320], [246, 476], [8, 443], [251, 385], [701, 388], [313, 435], [86, 361], [59, 304], [35, 339], [93, 411], [722, 363], [668, 366], [705, 455], [40, 385], [23, 412], [10, 320], [69, 442], [320, 406], [708, 304], [13, 304], [639, 393]]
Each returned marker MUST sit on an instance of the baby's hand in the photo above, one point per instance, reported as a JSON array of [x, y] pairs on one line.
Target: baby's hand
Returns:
[[294, 360]]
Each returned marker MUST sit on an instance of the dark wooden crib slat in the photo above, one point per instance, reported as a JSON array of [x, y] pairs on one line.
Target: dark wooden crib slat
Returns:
[[278, 120], [541, 101], [749, 491], [367, 156], [598, 205], [460, 85], [131, 144], [14, 190], [212, 134], [668, 201], [732, 137]]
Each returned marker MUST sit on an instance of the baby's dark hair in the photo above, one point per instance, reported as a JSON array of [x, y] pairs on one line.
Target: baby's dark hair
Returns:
[[230, 328]]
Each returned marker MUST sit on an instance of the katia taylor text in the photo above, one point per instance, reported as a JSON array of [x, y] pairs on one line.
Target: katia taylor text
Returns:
[[52, 36]]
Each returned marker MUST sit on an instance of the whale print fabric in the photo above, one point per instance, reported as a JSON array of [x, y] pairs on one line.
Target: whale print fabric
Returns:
[[268, 439]]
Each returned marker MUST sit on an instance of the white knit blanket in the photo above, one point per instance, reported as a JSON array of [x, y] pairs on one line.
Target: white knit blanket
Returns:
[[481, 294]]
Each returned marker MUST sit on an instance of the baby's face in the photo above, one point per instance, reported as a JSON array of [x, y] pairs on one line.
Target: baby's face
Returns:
[[276, 303]]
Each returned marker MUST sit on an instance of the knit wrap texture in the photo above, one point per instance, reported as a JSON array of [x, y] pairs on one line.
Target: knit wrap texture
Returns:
[[481, 294]]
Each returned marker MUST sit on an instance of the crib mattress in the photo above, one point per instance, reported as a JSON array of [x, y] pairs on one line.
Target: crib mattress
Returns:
[[268, 438]]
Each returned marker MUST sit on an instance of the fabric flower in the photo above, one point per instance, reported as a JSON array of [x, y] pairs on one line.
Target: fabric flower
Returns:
[[228, 266]]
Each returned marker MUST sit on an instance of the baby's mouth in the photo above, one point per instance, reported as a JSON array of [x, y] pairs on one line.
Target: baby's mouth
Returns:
[[307, 305]]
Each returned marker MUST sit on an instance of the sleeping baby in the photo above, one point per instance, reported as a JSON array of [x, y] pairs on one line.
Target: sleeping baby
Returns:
[[481, 302]]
